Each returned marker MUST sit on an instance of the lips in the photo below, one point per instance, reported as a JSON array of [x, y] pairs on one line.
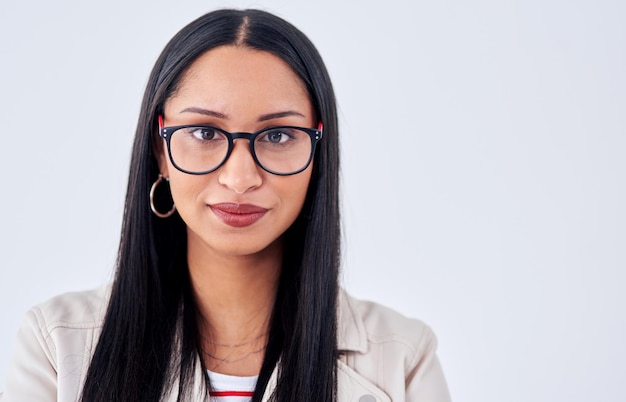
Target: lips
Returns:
[[238, 215]]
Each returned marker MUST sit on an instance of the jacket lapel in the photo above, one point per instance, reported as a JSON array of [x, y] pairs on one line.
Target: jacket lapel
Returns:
[[352, 338], [353, 387], [351, 335]]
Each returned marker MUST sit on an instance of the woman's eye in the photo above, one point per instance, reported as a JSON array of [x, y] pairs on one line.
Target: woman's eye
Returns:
[[204, 133], [276, 137]]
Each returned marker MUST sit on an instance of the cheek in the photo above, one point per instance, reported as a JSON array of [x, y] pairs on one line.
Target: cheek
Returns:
[[296, 190], [185, 188]]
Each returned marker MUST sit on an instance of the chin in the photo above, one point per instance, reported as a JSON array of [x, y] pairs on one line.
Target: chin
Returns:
[[244, 246]]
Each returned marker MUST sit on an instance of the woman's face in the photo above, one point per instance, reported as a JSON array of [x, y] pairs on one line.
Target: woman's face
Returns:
[[239, 209]]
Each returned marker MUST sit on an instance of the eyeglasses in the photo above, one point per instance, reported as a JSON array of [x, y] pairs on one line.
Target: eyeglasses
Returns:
[[202, 149]]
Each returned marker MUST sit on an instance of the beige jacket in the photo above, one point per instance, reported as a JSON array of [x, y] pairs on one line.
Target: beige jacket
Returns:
[[385, 356]]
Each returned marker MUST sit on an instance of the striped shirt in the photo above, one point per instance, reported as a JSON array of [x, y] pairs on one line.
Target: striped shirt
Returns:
[[230, 388]]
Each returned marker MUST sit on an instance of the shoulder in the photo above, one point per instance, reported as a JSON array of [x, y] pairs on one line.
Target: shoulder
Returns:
[[365, 323], [54, 346], [84, 309], [394, 355]]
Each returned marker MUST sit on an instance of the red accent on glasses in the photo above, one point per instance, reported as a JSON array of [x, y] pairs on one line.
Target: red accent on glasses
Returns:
[[320, 126], [160, 122]]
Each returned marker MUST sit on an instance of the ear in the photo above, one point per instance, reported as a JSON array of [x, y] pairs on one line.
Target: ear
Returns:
[[160, 151]]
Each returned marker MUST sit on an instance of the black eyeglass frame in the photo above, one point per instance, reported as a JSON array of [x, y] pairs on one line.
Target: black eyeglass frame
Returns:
[[315, 135]]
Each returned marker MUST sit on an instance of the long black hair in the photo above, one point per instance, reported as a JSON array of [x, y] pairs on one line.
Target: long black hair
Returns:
[[149, 340]]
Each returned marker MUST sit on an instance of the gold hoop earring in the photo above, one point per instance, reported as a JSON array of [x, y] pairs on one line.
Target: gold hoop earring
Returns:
[[152, 191]]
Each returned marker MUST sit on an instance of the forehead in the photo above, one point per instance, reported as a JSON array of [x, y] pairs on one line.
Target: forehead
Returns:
[[230, 78]]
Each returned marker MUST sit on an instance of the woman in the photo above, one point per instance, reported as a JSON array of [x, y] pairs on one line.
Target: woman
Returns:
[[227, 275]]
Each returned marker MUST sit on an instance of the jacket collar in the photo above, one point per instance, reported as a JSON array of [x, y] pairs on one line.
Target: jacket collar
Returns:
[[351, 335]]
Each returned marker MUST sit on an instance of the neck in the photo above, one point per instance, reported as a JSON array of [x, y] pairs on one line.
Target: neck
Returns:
[[235, 297]]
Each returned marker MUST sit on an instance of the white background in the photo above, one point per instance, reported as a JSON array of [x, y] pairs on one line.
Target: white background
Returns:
[[483, 170]]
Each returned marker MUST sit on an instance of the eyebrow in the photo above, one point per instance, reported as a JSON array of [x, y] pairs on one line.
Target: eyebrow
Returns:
[[219, 115], [278, 115], [205, 112]]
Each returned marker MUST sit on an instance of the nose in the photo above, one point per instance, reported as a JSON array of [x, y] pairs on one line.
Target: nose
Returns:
[[240, 172]]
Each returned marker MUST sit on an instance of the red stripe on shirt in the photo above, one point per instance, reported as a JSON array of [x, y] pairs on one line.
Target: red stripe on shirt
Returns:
[[231, 393]]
